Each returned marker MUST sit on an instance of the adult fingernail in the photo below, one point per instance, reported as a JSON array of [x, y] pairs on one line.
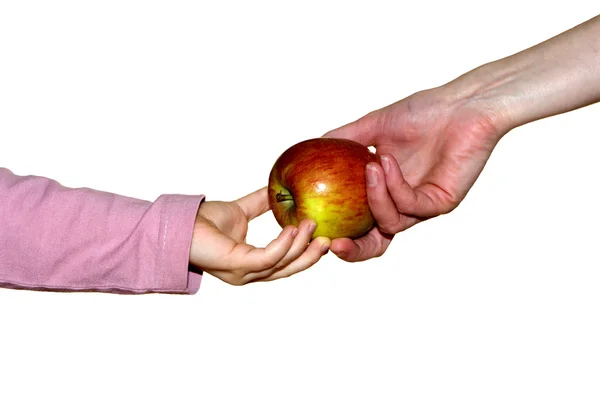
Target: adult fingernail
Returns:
[[324, 248], [312, 227], [385, 162], [371, 176], [295, 232]]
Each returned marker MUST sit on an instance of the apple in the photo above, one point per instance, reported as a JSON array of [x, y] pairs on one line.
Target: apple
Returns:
[[323, 179]]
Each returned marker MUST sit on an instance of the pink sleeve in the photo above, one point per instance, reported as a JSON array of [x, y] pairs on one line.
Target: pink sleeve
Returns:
[[61, 239]]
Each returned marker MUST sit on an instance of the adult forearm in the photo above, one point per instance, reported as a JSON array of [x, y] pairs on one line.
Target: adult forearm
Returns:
[[553, 77]]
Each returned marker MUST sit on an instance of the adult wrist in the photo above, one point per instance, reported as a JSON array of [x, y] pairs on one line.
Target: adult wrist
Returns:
[[553, 77], [482, 90]]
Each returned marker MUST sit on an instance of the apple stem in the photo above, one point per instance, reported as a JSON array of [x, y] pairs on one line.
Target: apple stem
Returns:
[[283, 197]]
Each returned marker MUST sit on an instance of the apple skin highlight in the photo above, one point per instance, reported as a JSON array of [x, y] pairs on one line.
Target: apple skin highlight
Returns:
[[323, 179]]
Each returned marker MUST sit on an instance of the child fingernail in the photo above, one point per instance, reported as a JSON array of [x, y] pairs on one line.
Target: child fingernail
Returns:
[[295, 232]]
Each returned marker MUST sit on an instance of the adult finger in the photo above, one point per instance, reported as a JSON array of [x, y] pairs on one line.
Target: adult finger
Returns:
[[382, 205], [372, 245], [317, 248], [363, 130], [416, 202]]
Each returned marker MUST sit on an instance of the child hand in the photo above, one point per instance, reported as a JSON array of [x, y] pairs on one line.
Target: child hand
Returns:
[[219, 243]]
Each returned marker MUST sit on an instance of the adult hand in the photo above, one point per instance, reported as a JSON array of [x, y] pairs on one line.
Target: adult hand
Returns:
[[433, 147], [219, 247], [435, 143]]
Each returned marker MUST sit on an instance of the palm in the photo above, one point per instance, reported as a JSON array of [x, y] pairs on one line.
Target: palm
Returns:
[[221, 226], [228, 218], [440, 149]]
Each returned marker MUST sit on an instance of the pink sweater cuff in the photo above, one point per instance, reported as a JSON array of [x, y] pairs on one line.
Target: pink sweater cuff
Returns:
[[175, 237]]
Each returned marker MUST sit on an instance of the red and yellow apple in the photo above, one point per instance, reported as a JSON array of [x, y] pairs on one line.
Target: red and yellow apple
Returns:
[[323, 179]]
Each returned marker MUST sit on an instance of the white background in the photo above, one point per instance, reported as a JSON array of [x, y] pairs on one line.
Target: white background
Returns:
[[499, 299]]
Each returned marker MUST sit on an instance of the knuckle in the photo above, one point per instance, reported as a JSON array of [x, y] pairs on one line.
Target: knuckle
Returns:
[[385, 228], [269, 263], [390, 227], [409, 206], [379, 253], [454, 203], [287, 259]]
